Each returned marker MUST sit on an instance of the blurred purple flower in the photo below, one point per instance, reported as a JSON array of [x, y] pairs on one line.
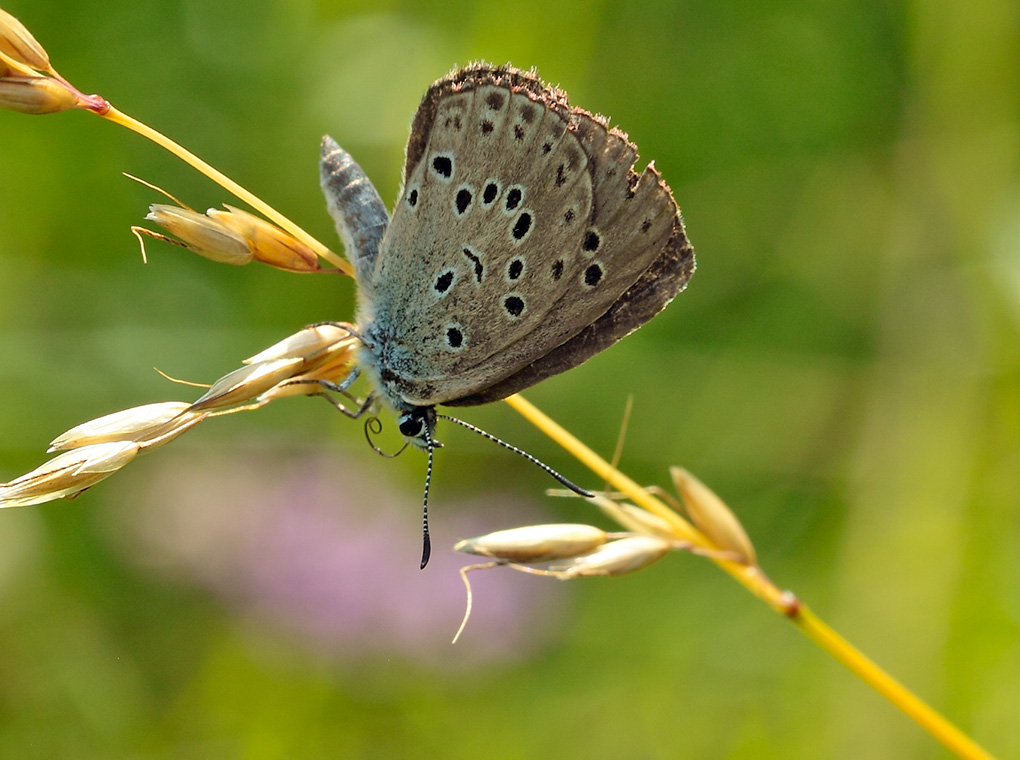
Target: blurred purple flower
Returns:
[[324, 551]]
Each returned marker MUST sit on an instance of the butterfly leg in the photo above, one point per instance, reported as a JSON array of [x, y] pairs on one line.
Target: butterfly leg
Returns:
[[345, 326], [361, 406]]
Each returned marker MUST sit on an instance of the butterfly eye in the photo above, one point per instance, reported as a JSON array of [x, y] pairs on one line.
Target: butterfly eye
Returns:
[[410, 426]]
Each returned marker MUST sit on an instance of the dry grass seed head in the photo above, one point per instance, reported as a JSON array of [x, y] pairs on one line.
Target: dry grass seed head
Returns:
[[202, 235], [615, 558], [38, 95], [136, 424], [244, 384], [68, 474], [535, 543], [267, 242], [18, 43], [712, 517]]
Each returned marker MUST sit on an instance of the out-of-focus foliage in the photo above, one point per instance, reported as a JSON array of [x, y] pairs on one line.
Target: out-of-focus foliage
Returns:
[[842, 370]]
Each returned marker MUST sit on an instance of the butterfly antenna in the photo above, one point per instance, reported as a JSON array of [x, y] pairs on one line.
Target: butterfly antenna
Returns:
[[426, 542], [534, 460]]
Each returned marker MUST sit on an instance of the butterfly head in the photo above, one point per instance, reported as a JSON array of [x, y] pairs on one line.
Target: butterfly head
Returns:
[[418, 425]]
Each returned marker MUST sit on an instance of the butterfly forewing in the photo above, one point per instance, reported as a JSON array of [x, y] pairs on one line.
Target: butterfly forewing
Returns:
[[521, 224], [464, 269]]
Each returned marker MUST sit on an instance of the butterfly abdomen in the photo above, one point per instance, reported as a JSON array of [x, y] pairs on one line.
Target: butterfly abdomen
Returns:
[[357, 210]]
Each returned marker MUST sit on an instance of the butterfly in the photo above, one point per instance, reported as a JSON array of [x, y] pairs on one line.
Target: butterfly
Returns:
[[523, 242]]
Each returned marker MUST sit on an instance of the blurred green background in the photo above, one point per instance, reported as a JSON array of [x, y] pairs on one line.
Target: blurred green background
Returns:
[[843, 370]]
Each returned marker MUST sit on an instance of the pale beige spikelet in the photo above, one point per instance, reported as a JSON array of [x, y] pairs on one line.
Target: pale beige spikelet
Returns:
[[244, 384], [634, 519], [308, 342], [68, 474], [202, 235], [233, 237], [712, 516], [146, 425], [620, 557], [535, 543], [267, 242], [36, 95], [328, 355], [18, 43]]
